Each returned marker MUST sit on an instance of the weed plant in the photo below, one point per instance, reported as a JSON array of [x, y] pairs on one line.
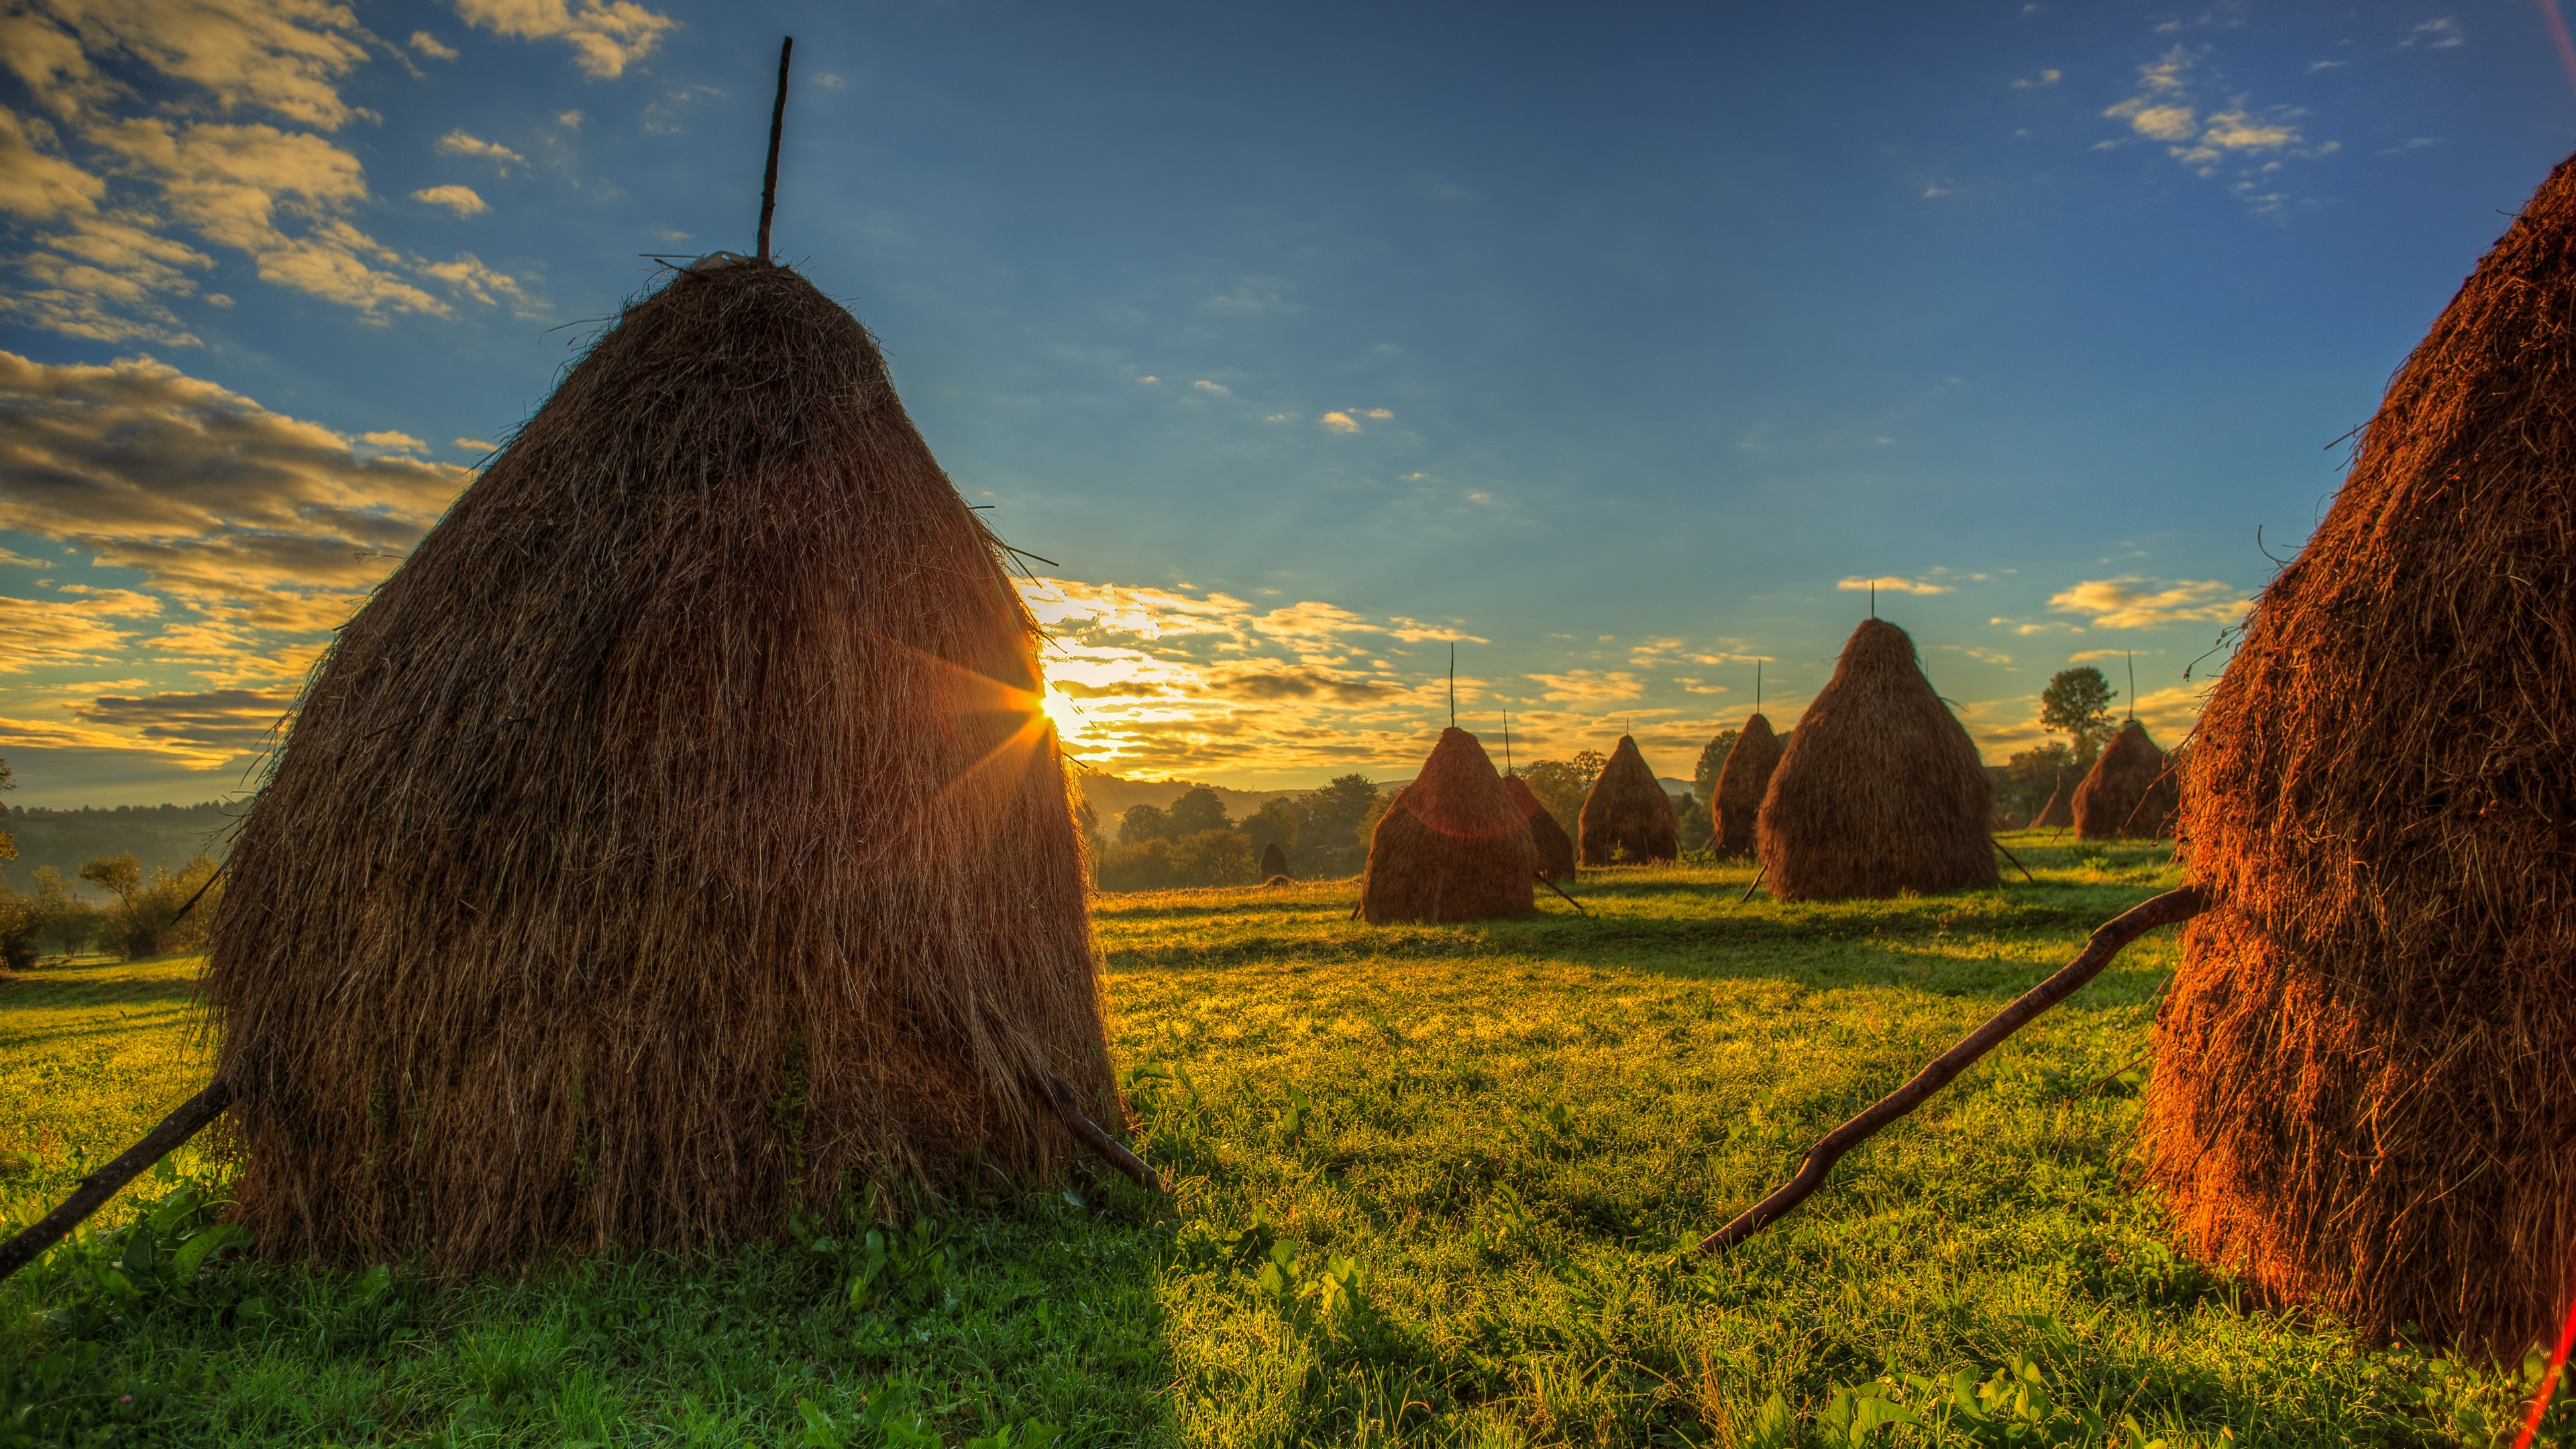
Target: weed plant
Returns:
[[1429, 1185]]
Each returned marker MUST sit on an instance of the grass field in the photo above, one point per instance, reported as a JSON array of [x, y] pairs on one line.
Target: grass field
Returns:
[[1428, 1188]]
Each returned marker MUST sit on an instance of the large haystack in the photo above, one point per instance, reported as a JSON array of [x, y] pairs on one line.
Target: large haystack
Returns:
[[1451, 847], [1555, 847], [2128, 794], [2366, 1071], [1741, 785], [1274, 861], [1880, 790], [2059, 813], [674, 841], [1627, 818]]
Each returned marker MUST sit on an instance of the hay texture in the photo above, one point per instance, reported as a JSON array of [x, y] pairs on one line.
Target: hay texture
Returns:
[[673, 842], [2365, 1084], [1451, 846], [1880, 790], [2059, 813], [1274, 862], [1742, 783], [1555, 847], [1627, 818], [2128, 794]]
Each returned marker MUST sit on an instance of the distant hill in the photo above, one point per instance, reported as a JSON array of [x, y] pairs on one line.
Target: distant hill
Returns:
[[70, 839]]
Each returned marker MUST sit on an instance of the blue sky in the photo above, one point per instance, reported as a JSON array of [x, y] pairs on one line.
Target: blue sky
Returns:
[[1608, 344]]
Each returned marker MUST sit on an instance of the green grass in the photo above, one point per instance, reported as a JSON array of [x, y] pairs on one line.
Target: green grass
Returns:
[[1429, 1187]]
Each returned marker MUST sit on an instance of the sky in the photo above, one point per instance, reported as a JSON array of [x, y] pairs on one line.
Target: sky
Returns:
[[1619, 348]]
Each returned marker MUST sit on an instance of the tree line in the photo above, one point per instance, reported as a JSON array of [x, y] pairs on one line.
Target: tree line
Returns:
[[141, 917]]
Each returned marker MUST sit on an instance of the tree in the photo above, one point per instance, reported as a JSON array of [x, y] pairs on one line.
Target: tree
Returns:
[[2077, 704], [1693, 826], [8, 842], [1328, 820], [1275, 821], [1196, 811], [2033, 775], [120, 875], [1217, 857], [1142, 823], [1712, 762]]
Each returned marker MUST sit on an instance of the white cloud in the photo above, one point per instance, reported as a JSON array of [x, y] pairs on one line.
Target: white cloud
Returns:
[[2139, 603], [36, 185], [1204, 385], [664, 116], [2164, 109], [2032, 83], [429, 45], [458, 199], [2442, 34], [1892, 585], [1339, 422], [476, 445], [571, 120], [1590, 686], [468, 277], [605, 37], [1378, 413], [459, 143], [264, 530]]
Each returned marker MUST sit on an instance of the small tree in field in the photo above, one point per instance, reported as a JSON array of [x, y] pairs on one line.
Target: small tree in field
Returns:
[[147, 909], [2077, 704], [1712, 763]]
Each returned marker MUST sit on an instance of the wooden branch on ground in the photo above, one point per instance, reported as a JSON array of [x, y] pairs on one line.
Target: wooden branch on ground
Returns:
[[99, 1186], [2015, 859], [1560, 890], [1757, 883], [1069, 1108], [2107, 940]]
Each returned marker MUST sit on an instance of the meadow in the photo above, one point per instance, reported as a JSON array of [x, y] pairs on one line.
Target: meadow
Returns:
[[1429, 1185]]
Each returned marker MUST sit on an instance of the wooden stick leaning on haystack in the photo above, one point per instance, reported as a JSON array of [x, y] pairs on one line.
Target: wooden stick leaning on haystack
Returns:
[[2108, 939]]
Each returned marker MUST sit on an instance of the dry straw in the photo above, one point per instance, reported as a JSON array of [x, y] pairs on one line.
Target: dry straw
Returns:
[[1627, 818], [1555, 847], [674, 841], [1274, 862], [1881, 790], [2058, 814], [2366, 1073], [1741, 784], [1451, 846], [2128, 794]]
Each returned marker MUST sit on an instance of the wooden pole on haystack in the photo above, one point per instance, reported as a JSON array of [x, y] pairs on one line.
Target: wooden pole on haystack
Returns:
[[777, 126]]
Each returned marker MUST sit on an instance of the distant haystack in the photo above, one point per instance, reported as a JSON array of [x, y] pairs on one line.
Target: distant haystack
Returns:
[[2129, 794], [1741, 786], [2059, 814], [1274, 862], [1452, 845], [1880, 790], [674, 844], [1555, 849], [1628, 819]]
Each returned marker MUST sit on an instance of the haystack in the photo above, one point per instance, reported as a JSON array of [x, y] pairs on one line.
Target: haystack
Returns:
[[1451, 847], [1880, 790], [2059, 813], [1627, 818], [1741, 785], [1274, 862], [1555, 848], [2366, 1069], [2128, 794], [674, 842]]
